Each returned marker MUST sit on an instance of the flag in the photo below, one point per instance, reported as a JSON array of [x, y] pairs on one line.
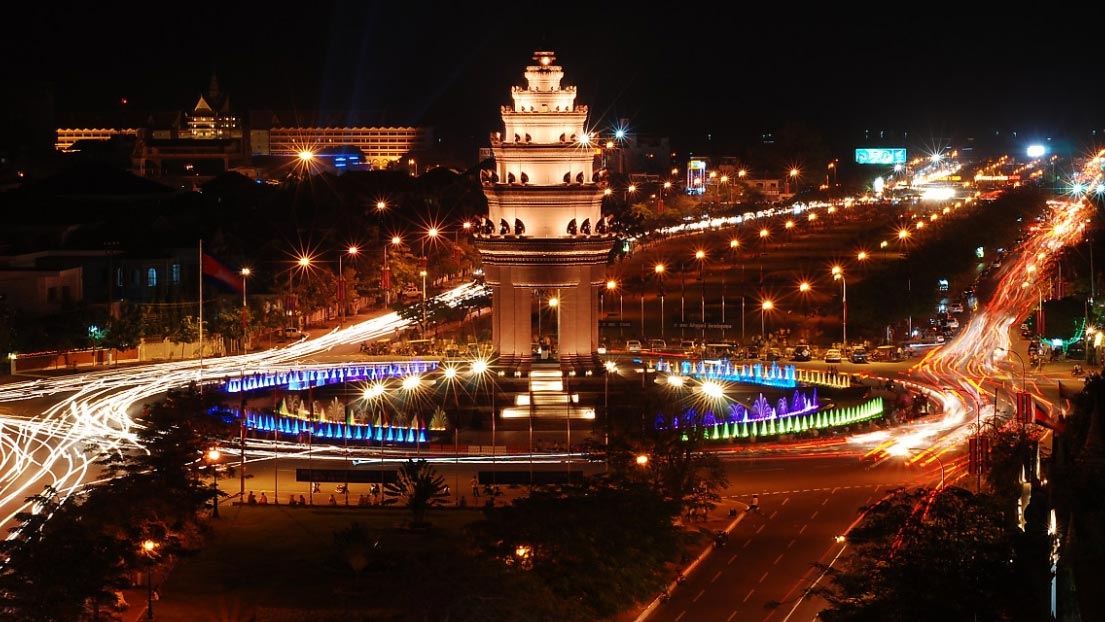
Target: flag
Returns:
[[213, 268], [1041, 416]]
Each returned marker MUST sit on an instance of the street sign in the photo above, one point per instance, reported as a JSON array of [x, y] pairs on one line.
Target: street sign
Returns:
[[614, 324], [700, 325]]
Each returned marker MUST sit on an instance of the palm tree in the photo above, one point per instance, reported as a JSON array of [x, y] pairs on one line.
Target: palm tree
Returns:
[[420, 486]]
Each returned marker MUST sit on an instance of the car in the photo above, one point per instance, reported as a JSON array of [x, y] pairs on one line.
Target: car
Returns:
[[952, 323], [688, 347], [633, 345], [657, 344], [410, 293], [832, 355], [294, 333], [859, 355], [955, 307], [802, 352], [774, 354]]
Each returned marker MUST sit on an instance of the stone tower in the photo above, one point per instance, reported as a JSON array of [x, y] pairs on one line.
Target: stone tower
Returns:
[[545, 229]]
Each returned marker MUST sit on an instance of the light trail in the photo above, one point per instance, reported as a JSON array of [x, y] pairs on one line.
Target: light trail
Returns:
[[958, 373], [49, 445]]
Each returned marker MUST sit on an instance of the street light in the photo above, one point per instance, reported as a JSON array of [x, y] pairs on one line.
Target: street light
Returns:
[[352, 252], [245, 272], [149, 547], [629, 189], [660, 201], [700, 256], [480, 368], [422, 273], [804, 289], [213, 458], [765, 306], [838, 274], [385, 278], [660, 274]]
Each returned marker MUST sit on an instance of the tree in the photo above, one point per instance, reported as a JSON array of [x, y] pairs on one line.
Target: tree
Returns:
[[923, 554], [59, 560], [420, 486], [124, 331], [163, 478]]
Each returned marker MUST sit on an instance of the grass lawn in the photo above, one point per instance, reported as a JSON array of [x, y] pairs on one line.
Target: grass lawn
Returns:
[[275, 563], [268, 558]]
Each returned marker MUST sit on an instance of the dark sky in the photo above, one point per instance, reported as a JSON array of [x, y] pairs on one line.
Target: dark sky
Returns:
[[702, 75]]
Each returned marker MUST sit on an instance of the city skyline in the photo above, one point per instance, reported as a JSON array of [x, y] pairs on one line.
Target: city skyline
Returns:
[[722, 80]]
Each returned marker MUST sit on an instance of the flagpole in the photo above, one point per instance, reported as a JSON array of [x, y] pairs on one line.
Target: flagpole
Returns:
[[201, 316]]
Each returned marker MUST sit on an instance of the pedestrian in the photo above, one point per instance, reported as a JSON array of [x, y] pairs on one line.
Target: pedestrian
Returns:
[[332, 500], [264, 499], [755, 505], [475, 486], [252, 500], [302, 500], [291, 500]]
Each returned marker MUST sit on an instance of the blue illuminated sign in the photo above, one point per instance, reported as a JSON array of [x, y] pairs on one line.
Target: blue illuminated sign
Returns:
[[880, 156]]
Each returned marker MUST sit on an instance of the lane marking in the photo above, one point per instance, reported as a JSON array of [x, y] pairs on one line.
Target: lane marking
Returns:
[[762, 578], [777, 559], [732, 559], [747, 596], [697, 596], [716, 576]]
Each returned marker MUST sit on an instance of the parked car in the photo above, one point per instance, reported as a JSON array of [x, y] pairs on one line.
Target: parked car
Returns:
[[633, 345], [859, 355], [802, 352], [410, 293], [657, 344], [832, 355]]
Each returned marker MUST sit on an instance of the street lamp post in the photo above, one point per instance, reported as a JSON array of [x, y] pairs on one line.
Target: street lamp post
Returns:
[[765, 306], [700, 255], [385, 278], [245, 272], [213, 459], [148, 548], [660, 274], [352, 252], [431, 233], [838, 274], [423, 274]]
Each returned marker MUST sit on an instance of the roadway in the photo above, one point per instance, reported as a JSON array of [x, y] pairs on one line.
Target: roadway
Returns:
[[50, 423]]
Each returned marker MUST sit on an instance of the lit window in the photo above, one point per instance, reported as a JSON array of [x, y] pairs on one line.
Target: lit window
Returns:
[[151, 277], [176, 273]]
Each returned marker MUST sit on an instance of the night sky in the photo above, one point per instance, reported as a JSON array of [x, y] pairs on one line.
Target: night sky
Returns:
[[706, 77]]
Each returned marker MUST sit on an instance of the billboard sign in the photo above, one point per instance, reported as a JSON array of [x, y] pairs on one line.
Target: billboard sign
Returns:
[[887, 157]]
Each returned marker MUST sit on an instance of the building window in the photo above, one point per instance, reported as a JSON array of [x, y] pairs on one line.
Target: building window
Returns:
[[151, 277], [176, 274], [118, 277]]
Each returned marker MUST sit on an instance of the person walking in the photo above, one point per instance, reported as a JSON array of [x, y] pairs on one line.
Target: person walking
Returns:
[[475, 486], [755, 505]]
